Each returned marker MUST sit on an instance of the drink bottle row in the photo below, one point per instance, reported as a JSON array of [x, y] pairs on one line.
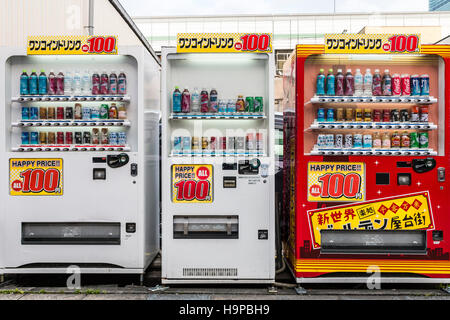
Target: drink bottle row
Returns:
[[371, 85], [73, 83], [375, 140], [414, 114], [96, 136], [250, 142], [204, 102], [78, 112]]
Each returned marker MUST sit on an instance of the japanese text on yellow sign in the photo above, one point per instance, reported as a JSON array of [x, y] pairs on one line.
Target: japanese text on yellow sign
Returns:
[[224, 42], [71, 45], [372, 43], [192, 183], [407, 212], [36, 177], [336, 181]]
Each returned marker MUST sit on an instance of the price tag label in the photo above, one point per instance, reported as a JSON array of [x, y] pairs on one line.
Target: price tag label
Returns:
[[192, 183], [71, 45]]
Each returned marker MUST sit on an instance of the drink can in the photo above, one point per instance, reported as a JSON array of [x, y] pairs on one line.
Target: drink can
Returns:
[[51, 138], [231, 106], [42, 137], [357, 140], [69, 137], [415, 85], [259, 106], [195, 143], [396, 140], [42, 113], [377, 115], [414, 140], [25, 113], [340, 114], [358, 115], [69, 113], [424, 85], [330, 114], [51, 113], [78, 137], [349, 114], [367, 141], [348, 143], [186, 143], [122, 138], [95, 113], [34, 138], [104, 111], [414, 114], [321, 140], [95, 138], [338, 141], [367, 115], [213, 144], [386, 115], [104, 137], [396, 85], [321, 114], [395, 115], [113, 138], [404, 115], [78, 111], [240, 144], [86, 137], [405, 140], [423, 114], [249, 104], [405, 84], [34, 113], [60, 113], [330, 140], [25, 137], [60, 137], [205, 144], [423, 139], [222, 143], [231, 144], [222, 106]]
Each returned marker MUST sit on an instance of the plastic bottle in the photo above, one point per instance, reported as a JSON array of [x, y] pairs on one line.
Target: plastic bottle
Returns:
[[359, 80], [376, 83], [86, 83], [176, 100], [33, 83], [122, 83], [195, 102], [68, 83], [367, 85], [186, 101], [76, 83], [204, 101], [386, 84], [113, 83], [330, 83], [60, 83], [42, 83], [339, 83], [213, 101], [95, 83], [51, 84], [349, 83], [320, 83], [104, 82], [24, 83]]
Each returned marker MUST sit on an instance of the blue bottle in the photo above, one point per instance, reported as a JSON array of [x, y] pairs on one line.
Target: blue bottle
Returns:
[[24, 83], [33, 83], [330, 83], [42, 83], [176, 101], [320, 84]]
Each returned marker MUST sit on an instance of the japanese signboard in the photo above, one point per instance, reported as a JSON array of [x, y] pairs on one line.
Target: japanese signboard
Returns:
[[336, 181], [192, 183], [35, 177], [405, 212], [224, 42], [71, 45], [372, 43]]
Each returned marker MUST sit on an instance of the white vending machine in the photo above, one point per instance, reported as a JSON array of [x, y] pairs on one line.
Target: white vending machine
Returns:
[[79, 161], [217, 167]]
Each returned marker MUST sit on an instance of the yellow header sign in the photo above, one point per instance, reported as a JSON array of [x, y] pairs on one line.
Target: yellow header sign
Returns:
[[224, 42], [406, 212], [71, 45], [192, 183], [372, 43]]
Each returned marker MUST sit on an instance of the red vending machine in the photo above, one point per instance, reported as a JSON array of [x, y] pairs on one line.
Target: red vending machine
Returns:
[[366, 153]]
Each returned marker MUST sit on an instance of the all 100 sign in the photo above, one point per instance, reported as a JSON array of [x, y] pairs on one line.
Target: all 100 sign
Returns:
[[192, 183]]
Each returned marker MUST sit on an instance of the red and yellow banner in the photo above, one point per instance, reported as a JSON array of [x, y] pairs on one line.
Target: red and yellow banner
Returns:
[[71, 45], [406, 212], [35, 177], [192, 183]]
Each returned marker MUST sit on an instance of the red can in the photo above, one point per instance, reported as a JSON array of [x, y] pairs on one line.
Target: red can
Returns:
[[406, 84], [396, 85], [222, 143], [60, 138], [69, 137], [386, 115], [60, 113], [213, 144], [377, 115]]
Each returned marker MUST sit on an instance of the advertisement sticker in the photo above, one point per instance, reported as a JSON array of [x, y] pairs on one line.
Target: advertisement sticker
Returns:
[[71, 45], [192, 183]]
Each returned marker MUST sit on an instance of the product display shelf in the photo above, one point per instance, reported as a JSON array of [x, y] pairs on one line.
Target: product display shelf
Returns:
[[373, 151], [374, 99], [73, 123], [62, 98], [323, 125], [73, 147], [191, 116], [217, 154]]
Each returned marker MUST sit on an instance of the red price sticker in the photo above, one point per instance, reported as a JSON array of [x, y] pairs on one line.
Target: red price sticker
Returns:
[[255, 42], [192, 183]]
